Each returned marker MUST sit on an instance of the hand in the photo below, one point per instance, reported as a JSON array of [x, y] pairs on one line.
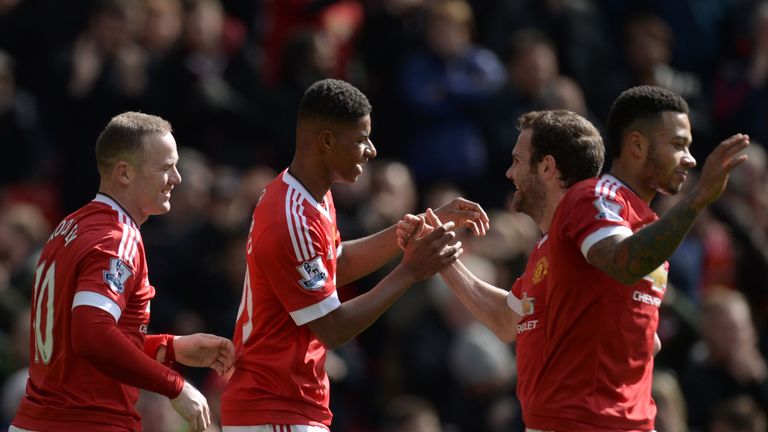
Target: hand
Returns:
[[192, 406], [427, 255], [205, 350], [465, 213], [714, 175], [411, 227]]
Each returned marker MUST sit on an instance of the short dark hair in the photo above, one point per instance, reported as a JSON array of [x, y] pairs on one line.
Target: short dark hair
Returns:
[[123, 138], [334, 100], [571, 139], [638, 104]]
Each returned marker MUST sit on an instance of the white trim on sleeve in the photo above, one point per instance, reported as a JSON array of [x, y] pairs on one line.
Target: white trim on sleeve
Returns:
[[90, 298], [317, 310], [515, 304], [603, 233]]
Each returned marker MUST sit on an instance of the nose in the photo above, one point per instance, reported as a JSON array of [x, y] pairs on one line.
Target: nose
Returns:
[[509, 172], [688, 160], [175, 176], [370, 150]]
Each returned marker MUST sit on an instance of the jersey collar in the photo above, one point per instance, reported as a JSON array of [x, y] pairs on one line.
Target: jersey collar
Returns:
[[108, 200], [296, 184]]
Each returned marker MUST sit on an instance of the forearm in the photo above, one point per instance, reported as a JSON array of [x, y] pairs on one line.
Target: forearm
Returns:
[[96, 338], [636, 256], [357, 314], [363, 256], [486, 302]]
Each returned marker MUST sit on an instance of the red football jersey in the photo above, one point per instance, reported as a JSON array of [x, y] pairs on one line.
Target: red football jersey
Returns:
[[291, 254], [95, 257], [530, 288], [598, 358]]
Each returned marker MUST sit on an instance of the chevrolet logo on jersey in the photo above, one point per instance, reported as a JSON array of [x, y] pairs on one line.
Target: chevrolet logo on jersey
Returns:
[[117, 274], [313, 273]]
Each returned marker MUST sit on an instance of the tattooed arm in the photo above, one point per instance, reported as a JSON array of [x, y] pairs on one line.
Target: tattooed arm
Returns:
[[629, 258]]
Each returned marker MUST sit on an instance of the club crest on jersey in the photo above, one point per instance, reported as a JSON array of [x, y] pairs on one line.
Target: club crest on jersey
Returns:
[[608, 210], [313, 273], [540, 270], [117, 274]]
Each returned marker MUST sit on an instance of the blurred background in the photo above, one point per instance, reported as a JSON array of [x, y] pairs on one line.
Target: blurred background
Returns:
[[447, 80]]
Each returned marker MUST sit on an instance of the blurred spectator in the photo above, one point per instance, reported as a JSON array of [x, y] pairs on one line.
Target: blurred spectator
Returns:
[[23, 229], [102, 72], [27, 150], [728, 364], [576, 28], [647, 48], [740, 414], [445, 87], [211, 87], [407, 413], [670, 404], [533, 83], [284, 19], [392, 29], [743, 207], [309, 56], [739, 88]]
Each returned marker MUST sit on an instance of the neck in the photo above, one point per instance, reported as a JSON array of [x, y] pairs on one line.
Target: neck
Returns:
[[633, 178], [544, 221], [315, 180], [122, 199]]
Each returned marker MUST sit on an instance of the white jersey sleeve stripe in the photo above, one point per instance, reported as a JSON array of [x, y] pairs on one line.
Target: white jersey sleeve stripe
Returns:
[[129, 246], [298, 228], [307, 237], [289, 222], [136, 242], [317, 310], [90, 298], [602, 233], [123, 238]]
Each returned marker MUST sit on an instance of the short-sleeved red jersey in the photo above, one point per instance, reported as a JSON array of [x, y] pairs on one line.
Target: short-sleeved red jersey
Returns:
[[530, 288], [598, 356], [291, 254], [95, 257]]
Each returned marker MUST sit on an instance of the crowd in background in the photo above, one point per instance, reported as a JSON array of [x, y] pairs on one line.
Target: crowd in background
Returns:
[[447, 80]]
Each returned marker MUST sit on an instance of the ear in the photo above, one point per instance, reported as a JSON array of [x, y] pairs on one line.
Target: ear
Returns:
[[326, 139], [123, 173], [636, 145], [548, 167]]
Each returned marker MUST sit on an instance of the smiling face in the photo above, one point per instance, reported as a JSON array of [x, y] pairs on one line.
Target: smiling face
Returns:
[[669, 157], [154, 176], [530, 195], [350, 149]]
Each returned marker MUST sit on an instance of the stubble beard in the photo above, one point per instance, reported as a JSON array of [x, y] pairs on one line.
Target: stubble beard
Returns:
[[530, 198], [663, 182]]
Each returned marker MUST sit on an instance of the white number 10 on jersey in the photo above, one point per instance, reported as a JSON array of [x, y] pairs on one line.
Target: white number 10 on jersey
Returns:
[[42, 306]]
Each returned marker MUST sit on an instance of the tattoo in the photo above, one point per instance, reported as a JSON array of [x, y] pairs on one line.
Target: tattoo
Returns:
[[636, 256]]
